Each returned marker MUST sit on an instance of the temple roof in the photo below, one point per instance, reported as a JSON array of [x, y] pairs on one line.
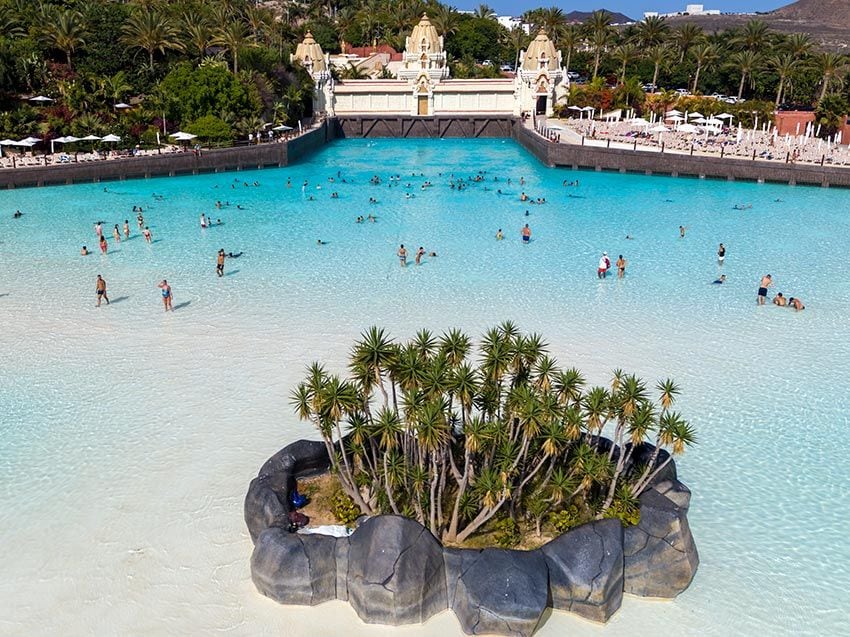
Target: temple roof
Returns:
[[311, 50], [541, 46], [426, 33]]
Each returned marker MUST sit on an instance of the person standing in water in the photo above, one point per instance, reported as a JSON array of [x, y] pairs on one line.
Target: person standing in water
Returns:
[[166, 295], [604, 264], [103, 246], [219, 265], [526, 234], [98, 229], [499, 235], [621, 267], [126, 229], [682, 232], [766, 282], [419, 254], [116, 233], [203, 220], [100, 290], [721, 254], [147, 234], [402, 256]]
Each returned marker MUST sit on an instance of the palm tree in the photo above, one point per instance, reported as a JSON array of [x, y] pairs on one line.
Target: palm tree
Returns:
[[151, 31], [785, 65], [570, 40], [516, 39], [115, 87], [484, 12], [752, 37], [799, 44], [353, 72], [832, 67], [704, 55], [444, 19], [624, 54], [746, 63], [198, 38], [554, 21], [598, 26], [233, 37], [65, 31], [686, 37], [9, 25], [652, 31], [660, 58], [260, 22]]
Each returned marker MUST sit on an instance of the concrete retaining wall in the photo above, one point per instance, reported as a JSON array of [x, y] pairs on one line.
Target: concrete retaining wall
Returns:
[[408, 126], [168, 164], [676, 165]]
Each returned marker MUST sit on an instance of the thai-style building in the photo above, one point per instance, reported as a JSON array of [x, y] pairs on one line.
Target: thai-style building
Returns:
[[423, 87]]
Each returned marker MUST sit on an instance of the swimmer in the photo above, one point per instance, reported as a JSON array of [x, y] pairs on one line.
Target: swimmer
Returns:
[[719, 281], [527, 213], [116, 233], [100, 290], [766, 282], [126, 229], [682, 232], [319, 242], [359, 219], [167, 297], [204, 222], [432, 254], [18, 214], [402, 256], [499, 235], [721, 254], [621, 267], [218, 222], [85, 251], [219, 263], [103, 246], [419, 254], [629, 237], [780, 300], [372, 218], [288, 182], [98, 229], [147, 234], [523, 197], [234, 255], [526, 234], [796, 303]]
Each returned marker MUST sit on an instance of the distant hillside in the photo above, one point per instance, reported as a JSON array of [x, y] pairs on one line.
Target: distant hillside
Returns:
[[825, 20], [834, 13], [581, 16]]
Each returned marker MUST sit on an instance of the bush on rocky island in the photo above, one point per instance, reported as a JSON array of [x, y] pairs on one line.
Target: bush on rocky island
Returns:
[[432, 430]]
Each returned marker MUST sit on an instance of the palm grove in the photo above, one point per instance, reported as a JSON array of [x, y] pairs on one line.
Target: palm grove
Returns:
[[457, 438], [221, 68]]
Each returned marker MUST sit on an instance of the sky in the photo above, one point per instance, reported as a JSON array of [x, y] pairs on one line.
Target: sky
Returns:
[[632, 8]]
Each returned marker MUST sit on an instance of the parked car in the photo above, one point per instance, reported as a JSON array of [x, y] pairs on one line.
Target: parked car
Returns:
[[650, 88], [487, 63], [573, 75], [683, 91], [507, 68]]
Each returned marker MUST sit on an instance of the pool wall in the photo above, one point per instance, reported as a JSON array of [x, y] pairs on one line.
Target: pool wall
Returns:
[[403, 126]]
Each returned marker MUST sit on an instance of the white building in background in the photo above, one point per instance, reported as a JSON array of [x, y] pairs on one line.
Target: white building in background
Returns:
[[690, 9], [423, 86], [511, 23]]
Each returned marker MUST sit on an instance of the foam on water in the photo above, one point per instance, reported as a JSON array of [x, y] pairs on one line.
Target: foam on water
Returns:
[[128, 436]]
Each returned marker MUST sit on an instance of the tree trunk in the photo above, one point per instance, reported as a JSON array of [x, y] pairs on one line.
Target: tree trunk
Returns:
[[388, 488], [696, 78], [824, 89], [779, 91], [741, 85], [596, 63], [567, 65], [479, 520], [655, 77]]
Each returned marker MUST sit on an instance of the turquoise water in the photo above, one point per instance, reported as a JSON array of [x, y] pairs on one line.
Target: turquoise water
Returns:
[[123, 427]]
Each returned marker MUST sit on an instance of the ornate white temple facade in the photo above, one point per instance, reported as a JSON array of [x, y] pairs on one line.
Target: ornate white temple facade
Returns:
[[423, 86]]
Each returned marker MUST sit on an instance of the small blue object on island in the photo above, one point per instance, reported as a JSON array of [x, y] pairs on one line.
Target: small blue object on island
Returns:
[[392, 570]]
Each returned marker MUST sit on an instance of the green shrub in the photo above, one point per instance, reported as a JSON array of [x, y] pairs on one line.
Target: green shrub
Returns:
[[507, 533], [210, 128], [566, 519], [344, 509]]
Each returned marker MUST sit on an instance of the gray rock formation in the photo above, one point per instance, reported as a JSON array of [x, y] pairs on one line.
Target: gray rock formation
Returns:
[[499, 592], [295, 569], [396, 573], [586, 570], [660, 555]]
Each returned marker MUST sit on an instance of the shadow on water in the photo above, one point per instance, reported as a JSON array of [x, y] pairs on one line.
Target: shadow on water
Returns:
[[180, 306], [118, 300], [228, 273], [4, 294]]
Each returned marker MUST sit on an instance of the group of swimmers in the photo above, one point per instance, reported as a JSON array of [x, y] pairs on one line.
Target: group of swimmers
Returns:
[[767, 281], [402, 255]]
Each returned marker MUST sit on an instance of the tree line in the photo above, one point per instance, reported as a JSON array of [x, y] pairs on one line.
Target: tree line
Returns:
[[92, 54]]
